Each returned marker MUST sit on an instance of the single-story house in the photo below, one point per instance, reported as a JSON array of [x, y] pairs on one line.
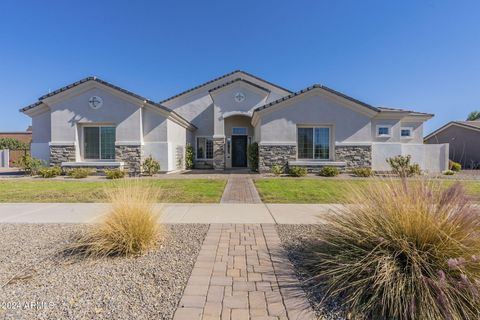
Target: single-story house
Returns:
[[94, 123], [464, 140]]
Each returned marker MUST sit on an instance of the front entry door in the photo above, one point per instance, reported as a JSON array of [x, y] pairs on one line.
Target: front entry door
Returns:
[[239, 151]]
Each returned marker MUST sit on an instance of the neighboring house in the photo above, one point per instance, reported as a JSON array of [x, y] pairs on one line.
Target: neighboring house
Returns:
[[23, 136], [464, 140], [94, 123]]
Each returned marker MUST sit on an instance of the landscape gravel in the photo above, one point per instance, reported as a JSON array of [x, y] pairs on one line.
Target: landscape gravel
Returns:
[[38, 282], [293, 238]]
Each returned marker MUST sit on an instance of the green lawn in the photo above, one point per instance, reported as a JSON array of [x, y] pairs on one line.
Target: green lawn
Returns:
[[324, 191], [181, 190]]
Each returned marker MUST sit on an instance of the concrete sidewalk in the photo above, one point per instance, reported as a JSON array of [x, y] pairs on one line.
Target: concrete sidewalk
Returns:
[[172, 213]]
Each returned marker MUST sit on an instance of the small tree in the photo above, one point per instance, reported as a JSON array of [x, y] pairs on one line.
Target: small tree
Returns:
[[253, 156], [474, 115], [12, 144], [189, 157]]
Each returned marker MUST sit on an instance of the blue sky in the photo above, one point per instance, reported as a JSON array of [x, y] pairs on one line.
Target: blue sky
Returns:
[[421, 55]]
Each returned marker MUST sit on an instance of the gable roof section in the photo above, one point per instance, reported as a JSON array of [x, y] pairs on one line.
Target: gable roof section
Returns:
[[471, 125], [316, 86], [226, 84], [105, 83], [222, 77], [341, 95]]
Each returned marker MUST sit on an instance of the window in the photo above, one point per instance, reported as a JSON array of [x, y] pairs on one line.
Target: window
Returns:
[[204, 148], [313, 143], [383, 131], [239, 131], [99, 143], [406, 133]]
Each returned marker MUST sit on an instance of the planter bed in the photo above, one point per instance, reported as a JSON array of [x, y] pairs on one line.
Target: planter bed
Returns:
[[293, 238], [145, 287]]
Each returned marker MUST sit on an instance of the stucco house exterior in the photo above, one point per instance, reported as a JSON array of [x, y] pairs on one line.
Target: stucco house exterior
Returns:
[[463, 138], [94, 123]]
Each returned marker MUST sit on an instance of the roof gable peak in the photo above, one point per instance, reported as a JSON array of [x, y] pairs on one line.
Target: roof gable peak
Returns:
[[241, 74]]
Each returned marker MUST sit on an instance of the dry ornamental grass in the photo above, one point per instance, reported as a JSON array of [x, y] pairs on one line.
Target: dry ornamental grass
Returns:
[[130, 227], [406, 252]]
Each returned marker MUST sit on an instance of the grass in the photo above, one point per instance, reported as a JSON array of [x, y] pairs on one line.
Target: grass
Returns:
[[408, 252], [130, 227], [184, 190], [327, 191]]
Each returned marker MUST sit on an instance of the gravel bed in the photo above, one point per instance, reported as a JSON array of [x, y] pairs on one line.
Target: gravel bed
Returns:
[[145, 287], [293, 238]]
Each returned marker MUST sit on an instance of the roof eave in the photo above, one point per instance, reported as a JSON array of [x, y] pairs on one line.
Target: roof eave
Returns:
[[321, 87], [220, 78]]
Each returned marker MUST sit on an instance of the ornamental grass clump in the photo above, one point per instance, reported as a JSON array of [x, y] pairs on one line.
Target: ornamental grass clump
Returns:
[[129, 228], [406, 251]]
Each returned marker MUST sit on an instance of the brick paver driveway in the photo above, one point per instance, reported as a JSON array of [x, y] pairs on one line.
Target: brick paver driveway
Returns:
[[242, 273]]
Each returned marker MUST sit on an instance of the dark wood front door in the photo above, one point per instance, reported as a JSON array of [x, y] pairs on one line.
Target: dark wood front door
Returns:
[[239, 151]]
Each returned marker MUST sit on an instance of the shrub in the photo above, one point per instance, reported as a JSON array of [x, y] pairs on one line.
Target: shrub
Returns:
[[150, 166], [297, 171], [277, 169], [402, 167], [29, 164], [114, 173], [454, 166], [405, 253], [253, 156], [362, 172], [189, 164], [130, 228], [328, 172], [79, 173], [49, 172], [449, 172], [12, 144]]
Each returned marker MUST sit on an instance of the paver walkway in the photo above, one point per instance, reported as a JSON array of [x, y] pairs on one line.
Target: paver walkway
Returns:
[[242, 273], [240, 190]]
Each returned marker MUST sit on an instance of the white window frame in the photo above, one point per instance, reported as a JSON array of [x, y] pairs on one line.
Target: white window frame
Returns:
[[410, 129], [331, 145], [82, 142], [240, 134], [196, 147], [389, 127]]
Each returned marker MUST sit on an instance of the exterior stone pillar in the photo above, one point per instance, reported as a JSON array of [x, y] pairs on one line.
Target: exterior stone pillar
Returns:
[[61, 153], [269, 155], [219, 153], [354, 156], [132, 156]]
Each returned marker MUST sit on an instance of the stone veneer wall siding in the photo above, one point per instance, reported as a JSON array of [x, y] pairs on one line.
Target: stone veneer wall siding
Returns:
[[132, 156], [268, 155], [219, 153], [62, 153], [354, 156]]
